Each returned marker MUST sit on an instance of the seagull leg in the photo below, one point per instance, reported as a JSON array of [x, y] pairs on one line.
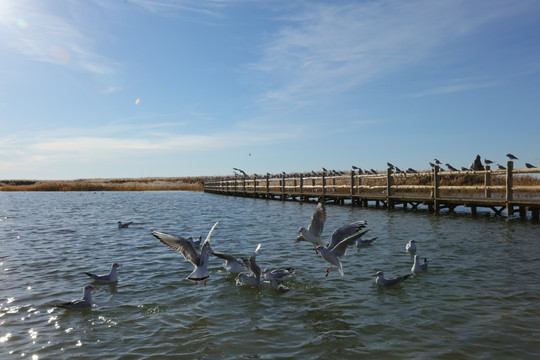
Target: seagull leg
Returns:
[[204, 283], [196, 282], [328, 270]]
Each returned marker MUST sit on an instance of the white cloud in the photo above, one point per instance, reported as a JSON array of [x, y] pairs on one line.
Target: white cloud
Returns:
[[331, 48]]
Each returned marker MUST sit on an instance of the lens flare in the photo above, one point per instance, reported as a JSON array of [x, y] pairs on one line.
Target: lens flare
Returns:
[[21, 23], [137, 101]]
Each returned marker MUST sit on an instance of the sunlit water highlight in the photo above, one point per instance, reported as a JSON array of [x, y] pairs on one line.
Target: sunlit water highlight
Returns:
[[479, 299]]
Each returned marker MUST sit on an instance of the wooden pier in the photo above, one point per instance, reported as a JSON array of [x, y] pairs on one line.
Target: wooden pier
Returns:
[[515, 190]]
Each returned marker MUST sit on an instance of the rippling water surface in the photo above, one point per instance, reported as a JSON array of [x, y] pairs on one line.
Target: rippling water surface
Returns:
[[480, 298]]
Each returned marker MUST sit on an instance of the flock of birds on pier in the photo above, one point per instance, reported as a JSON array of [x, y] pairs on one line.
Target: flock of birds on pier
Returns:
[[239, 173], [246, 269]]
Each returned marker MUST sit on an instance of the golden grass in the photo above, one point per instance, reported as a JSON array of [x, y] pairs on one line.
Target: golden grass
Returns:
[[194, 183]]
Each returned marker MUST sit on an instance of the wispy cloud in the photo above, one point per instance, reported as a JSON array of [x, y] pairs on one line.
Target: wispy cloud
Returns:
[[31, 29], [454, 86], [331, 48]]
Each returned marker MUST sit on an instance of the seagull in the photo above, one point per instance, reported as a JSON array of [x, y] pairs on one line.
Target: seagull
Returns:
[[432, 164], [451, 167], [253, 277], [487, 162], [463, 168], [382, 281], [111, 277], [278, 275], [363, 242], [200, 261], [122, 225], [313, 233], [418, 266], [437, 162], [530, 166], [500, 167], [341, 238], [411, 170], [411, 246], [195, 243], [511, 157], [84, 303], [231, 264], [390, 165]]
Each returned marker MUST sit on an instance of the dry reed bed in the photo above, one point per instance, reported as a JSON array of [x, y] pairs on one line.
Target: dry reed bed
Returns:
[[139, 184]]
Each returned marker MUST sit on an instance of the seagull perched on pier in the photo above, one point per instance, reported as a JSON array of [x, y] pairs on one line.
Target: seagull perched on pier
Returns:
[[500, 167], [511, 157], [390, 165], [488, 162], [313, 233], [84, 303], [530, 166], [411, 246], [419, 266], [450, 167], [437, 162], [186, 248], [342, 238], [122, 225], [111, 277], [382, 281]]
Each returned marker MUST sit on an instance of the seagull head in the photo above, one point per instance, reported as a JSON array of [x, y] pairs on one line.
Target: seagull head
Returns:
[[116, 265], [378, 273]]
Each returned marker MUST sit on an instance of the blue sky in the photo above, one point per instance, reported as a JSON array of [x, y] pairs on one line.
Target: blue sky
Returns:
[[143, 88]]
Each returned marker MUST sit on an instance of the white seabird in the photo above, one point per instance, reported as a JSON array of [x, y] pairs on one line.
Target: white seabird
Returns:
[[122, 225], [313, 233], [186, 248], [419, 266], [253, 277], [84, 303], [231, 264], [411, 246], [382, 281], [341, 238], [111, 277], [278, 275]]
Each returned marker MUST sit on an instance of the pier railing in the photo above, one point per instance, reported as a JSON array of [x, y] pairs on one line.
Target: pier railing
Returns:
[[510, 189]]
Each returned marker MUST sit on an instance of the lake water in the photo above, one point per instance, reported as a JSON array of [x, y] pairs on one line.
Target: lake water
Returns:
[[479, 299]]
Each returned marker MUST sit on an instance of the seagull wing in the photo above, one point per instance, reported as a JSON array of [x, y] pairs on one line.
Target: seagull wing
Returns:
[[251, 264], [226, 257], [179, 244], [347, 231], [317, 220]]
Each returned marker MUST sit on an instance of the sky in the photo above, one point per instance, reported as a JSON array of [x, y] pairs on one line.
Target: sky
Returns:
[[164, 88]]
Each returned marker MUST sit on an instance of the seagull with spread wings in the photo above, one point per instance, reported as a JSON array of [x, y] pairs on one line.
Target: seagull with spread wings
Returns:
[[186, 248]]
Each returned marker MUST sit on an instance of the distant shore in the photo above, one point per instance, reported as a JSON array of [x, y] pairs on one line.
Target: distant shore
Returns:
[[191, 183]]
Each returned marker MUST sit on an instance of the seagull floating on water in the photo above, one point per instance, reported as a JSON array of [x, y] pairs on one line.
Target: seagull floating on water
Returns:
[[511, 157], [411, 246], [122, 225], [278, 275], [111, 277], [342, 238], [313, 233], [186, 248], [363, 242], [382, 281], [419, 266], [84, 303]]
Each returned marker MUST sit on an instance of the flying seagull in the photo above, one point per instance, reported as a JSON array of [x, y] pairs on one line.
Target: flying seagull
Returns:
[[186, 248], [342, 238], [313, 233], [231, 264]]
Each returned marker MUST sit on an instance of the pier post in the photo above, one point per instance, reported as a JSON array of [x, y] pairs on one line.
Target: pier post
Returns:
[[267, 184], [323, 185], [301, 185], [435, 194], [283, 187], [487, 182], [389, 183], [509, 185], [352, 187]]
